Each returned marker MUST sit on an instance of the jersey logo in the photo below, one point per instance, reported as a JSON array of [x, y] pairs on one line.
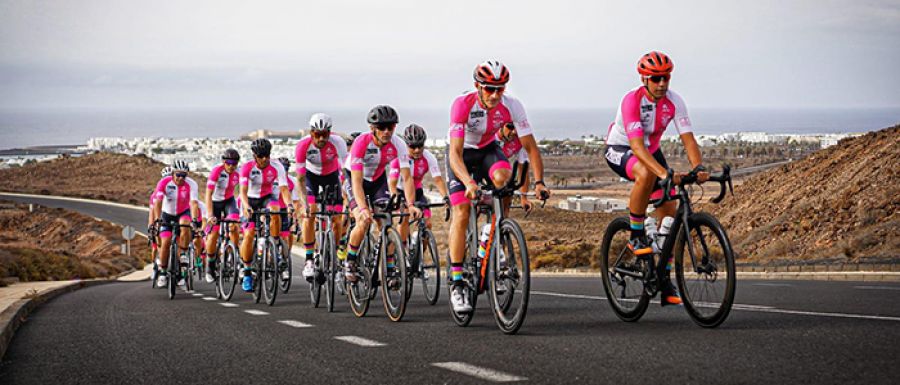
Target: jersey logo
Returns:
[[473, 125], [646, 107], [476, 114]]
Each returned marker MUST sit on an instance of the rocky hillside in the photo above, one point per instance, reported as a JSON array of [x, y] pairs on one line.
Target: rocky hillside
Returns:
[[838, 204]]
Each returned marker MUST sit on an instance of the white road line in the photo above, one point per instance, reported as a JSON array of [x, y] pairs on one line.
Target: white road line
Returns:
[[877, 287], [228, 304], [296, 324], [94, 201], [773, 284], [197, 295], [256, 312], [364, 342], [209, 298], [478, 372], [743, 307]]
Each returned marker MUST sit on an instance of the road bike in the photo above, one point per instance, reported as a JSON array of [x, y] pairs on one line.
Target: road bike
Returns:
[[423, 260], [325, 258], [228, 259]]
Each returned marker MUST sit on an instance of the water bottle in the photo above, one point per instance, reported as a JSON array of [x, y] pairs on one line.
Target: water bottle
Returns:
[[483, 239], [260, 245], [650, 229], [664, 229]]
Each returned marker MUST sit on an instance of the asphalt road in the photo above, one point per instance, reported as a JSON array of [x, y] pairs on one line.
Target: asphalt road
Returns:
[[779, 332]]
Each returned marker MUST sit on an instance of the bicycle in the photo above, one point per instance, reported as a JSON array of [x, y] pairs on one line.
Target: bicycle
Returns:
[[423, 260], [630, 282], [504, 270], [285, 265], [264, 266], [152, 237], [178, 267], [373, 260], [326, 261], [228, 259]]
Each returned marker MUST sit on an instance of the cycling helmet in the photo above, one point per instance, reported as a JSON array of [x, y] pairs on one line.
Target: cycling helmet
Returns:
[[382, 114], [261, 147], [231, 154], [180, 165], [414, 135], [491, 72], [352, 137], [320, 122], [166, 171], [285, 162], [655, 63]]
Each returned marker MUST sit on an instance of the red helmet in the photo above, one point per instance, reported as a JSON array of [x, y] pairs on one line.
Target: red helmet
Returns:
[[491, 72], [655, 63]]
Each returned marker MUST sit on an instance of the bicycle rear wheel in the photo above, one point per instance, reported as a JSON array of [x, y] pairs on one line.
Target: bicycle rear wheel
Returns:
[[394, 281], [359, 292], [430, 268], [704, 268], [509, 278], [228, 270], [623, 273], [269, 273]]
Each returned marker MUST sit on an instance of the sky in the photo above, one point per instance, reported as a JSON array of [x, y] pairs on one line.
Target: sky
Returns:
[[354, 54]]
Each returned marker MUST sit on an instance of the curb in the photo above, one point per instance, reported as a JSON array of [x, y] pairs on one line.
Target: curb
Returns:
[[860, 276]]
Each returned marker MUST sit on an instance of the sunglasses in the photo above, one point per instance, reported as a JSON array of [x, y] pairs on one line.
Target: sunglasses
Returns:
[[658, 78], [231, 162], [180, 174], [319, 135], [418, 147], [385, 127], [493, 89]]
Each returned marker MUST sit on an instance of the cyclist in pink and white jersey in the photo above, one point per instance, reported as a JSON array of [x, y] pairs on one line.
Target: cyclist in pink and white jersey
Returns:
[[633, 150], [258, 191], [220, 186], [319, 156], [295, 203], [474, 155], [369, 157], [422, 162], [176, 203]]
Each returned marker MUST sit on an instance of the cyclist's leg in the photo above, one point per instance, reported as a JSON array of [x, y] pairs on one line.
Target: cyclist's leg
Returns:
[[249, 228], [309, 223], [358, 232], [165, 240], [184, 237], [623, 162], [404, 221], [497, 165], [233, 213], [273, 204], [212, 238]]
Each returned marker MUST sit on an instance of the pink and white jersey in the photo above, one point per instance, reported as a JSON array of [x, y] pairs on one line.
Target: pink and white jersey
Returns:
[[477, 126], [320, 161], [372, 160], [260, 183], [427, 163], [293, 187], [513, 150], [222, 183], [638, 116], [176, 199]]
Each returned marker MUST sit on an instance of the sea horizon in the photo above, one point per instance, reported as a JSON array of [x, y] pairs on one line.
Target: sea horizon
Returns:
[[31, 127]]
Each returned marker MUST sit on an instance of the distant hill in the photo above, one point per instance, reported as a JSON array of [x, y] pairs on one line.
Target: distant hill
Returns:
[[837, 204]]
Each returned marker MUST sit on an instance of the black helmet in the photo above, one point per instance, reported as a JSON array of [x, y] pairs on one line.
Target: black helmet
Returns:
[[352, 137], [285, 162], [261, 147], [231, 154], [414, 135], [382, 115]]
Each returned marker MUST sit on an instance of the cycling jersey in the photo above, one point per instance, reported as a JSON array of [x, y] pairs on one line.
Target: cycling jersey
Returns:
[[320, 161], [427, 163], [292, 187], [260, 183], [477, 126], [176, 199], [638, 116], [222, 183], [513, 149], [372, 160]]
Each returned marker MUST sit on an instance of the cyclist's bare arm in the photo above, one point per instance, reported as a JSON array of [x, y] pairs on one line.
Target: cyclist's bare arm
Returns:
[[208, 199], [534, 156], [245, 202], [694, 154], [301, 189], [392, 185], [409, 189], [441, 186], [456, 161], [356, 177]]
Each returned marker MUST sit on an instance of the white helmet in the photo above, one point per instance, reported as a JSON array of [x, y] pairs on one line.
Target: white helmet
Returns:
[[166, 171], [180, 165], [320, 122]]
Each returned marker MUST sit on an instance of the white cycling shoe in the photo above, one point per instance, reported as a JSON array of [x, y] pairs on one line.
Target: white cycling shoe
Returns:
[[460, 300]]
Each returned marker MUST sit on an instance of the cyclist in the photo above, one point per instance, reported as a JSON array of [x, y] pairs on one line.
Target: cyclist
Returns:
[[176, 203], [422, 161], [634, 153], [369, 156], [220, 197], [152, 217], [294, 188], [474, 155], [319, 156], [346, 192], [258, 191], [515, 152]]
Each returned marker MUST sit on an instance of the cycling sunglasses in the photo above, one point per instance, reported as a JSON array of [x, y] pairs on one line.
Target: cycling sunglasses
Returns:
[[416, 147], [385, 127], [231, 162], [320, 134], [658, 78], [493, 89], [180, 174]]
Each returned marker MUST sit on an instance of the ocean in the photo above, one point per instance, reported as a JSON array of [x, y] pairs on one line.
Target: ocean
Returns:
[[25, 128]]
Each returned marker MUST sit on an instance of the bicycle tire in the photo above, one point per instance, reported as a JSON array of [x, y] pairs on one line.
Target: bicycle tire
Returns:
[[516, 277], [315, 287], [329, 258], [154, 274], [173, 269], [269, 274], [394, 299], [256, 274], [358, 292], [190, 269], [430, 268], [704, 227], [633, 301], [228, 270]]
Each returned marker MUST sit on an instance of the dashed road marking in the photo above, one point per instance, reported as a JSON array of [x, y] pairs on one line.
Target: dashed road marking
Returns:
[[364, 342], [228, 304], [296, 324], [197, 295], [256, 312], [209, 298], [479, 372]]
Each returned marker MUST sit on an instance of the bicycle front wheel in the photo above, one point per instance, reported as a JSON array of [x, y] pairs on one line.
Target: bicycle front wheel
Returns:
[[704, 268], [430, 268], [509, 278], [394, 282], [269, 273], [623, 273], [228, 270], [329, 259], [174, 270], [358, 293], [285, 272]]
